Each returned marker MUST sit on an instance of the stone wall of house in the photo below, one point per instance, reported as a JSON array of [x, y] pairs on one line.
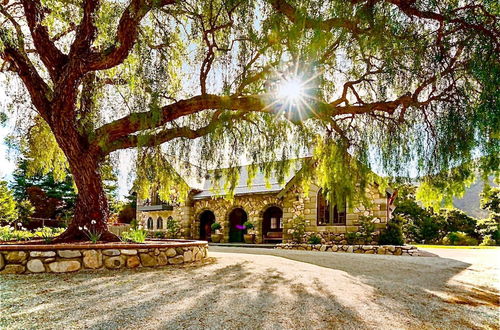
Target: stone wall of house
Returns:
[[293, 202], [298, 204], [254, 205], [182, 213], [72, 260]]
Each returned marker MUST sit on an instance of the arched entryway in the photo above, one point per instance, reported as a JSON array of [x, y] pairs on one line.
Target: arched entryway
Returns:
[[207, 218], [237, 218], [272, 224]]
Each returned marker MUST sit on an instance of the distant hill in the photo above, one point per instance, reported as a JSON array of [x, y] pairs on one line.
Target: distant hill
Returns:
[[470, 202]]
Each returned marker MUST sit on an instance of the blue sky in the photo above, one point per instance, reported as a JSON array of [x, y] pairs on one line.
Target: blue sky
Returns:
[[6, 164]]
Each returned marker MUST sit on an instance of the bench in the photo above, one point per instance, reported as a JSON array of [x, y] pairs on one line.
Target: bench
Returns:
[[273, 236]]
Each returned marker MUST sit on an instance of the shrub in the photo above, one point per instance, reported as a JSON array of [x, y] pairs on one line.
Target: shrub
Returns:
[[248, 225], [366, 228], [297, 230], [488, 241], [134, 235], [314, 239], [22, 235], [8, 233], [47, 233], [351, 237], [159, 234], [216, 226], [459, 238], [393, 234], [173, 228]]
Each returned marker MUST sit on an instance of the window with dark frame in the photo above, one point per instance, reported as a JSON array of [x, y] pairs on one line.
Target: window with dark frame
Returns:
[[159, 223], [330, 214], [150, 223]]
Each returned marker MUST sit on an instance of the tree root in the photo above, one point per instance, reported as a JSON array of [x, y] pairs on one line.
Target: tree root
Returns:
[[73, 234]]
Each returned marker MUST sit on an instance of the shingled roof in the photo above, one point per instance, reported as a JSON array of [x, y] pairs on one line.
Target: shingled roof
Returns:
[[259, 184]]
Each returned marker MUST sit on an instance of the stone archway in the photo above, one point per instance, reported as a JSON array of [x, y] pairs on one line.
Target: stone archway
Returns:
[[272, 222], [237, 217], [207, 218]]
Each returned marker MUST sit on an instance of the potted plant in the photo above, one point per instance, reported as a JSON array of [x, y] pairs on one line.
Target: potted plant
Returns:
[[216, 235], [249, 236]]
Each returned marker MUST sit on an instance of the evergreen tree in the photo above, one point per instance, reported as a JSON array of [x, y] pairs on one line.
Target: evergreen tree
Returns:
[[49, 188], [52, 197], [8, 211]]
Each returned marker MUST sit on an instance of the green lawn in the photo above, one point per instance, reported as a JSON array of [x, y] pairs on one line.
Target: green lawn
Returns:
[[455, 246]]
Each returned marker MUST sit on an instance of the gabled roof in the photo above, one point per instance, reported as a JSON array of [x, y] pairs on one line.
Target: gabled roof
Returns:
[[259, 184]]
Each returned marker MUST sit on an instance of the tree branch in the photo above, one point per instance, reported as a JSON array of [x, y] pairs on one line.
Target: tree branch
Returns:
[[166, 135], [86, 31], [147, 120], [51, 56], [408, 7], [294, 15], [39, 91], [126, 35]]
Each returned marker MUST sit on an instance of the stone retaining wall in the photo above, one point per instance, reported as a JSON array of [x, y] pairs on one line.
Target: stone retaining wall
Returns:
[[406, 250], [331, 238], [29, 260]]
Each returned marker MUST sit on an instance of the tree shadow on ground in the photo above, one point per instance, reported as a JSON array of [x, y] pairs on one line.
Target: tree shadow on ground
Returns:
[[228, 297], [415, 285], [327, 291]]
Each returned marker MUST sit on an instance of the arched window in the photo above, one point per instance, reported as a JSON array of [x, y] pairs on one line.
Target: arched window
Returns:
[[329, 214], [150, 223], [159, 223]]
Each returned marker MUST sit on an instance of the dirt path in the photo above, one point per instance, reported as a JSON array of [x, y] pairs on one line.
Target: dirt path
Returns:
[[267, 289]]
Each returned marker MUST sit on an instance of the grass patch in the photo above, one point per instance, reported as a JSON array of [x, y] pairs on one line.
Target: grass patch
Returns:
[[455, 246]]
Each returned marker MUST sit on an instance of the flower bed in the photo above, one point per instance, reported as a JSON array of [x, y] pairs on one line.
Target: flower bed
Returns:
[[407, 250], [63, 258]]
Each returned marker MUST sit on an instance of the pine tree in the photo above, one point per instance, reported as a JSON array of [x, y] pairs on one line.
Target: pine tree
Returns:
[[8, 211]]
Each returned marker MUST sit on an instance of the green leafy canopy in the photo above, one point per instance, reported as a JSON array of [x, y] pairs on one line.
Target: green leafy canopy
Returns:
[[402, 90]]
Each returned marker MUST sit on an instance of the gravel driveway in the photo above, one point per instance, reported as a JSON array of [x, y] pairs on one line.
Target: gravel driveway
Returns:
[[267, 289]]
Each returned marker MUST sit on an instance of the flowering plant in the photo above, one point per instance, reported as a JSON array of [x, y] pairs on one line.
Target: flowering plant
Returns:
[[93, 234]]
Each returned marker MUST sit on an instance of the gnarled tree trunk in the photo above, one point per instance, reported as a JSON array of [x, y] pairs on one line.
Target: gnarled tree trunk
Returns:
[[91, 209]]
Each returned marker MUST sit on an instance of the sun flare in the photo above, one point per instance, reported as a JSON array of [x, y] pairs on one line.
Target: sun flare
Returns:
[[291, 89]]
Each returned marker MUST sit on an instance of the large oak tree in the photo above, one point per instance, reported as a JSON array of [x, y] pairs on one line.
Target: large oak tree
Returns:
[[389, 83]]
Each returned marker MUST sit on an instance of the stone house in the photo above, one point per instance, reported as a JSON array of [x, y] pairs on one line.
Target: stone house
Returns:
[[269, 205]]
